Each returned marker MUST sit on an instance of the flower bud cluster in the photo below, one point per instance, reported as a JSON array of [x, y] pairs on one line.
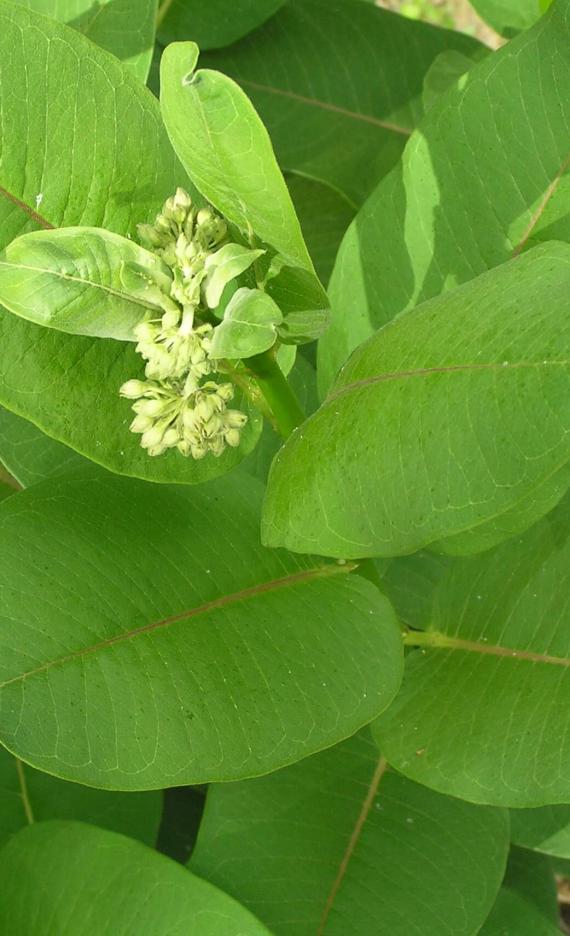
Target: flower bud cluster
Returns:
[[195, 420], [177, 406]]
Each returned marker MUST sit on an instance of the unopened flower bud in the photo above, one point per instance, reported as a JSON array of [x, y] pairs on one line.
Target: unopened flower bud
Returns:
[[152, 437], [232, 437], [234, 419], [141, 423], [133, 389], [149, 407]]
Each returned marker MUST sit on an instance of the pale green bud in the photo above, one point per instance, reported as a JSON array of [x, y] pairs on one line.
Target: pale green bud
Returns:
[[141, 423], [217, 446], [149, 236], [199, 451], [171, 318], [149, 407], [234, 419], [171, 437], [133, 389], [155, 450], [152, 436], [226, 392], [232, 437]]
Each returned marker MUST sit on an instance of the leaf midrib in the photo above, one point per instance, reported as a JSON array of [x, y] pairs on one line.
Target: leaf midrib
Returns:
[[295, 578], [437, 640], [325, 105], [444, 369]]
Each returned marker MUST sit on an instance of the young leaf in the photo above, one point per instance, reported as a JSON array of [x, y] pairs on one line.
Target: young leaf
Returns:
[[86, 281], [303, 327], [337, 87], [123, 27], [339, 844], [227, 152], [482, 180], [249, 326], [213, 24], [61, 877], [223, 266], [442, 426], [163, 644], [483, 708], [27, 796]]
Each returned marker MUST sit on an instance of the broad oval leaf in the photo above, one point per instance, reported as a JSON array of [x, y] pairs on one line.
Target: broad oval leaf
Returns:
[[53, 173], [162, 651], [338, 87], [77, 280], [338, 844], [64, 877], [249, 326], [482, 179], [28, 796], [123, 27], [482, 712], [215, 23], [442, 426]]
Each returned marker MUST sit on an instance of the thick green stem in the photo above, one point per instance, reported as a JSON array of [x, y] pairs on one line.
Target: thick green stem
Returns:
[[282, 402]]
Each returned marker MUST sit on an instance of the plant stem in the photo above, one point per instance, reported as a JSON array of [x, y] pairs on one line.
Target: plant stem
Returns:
[[24, 791], [162, 11], [282, 402]]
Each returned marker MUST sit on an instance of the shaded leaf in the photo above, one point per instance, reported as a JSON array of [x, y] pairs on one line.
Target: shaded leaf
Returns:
[[216, 23], [545, 829], [157, 661], [509, 16], [474, 187], [444, 72], [123, 27], [442, 426], [483, 708], [526, 905], [86, 281], [338, 83], [338, 845], [58, 876], [26, 796], [325, 215]]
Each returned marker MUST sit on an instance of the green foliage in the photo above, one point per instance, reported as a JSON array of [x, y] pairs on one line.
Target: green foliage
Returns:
[[125, 28], [51, 871], [357, 612], [413, 844], [183, 683]]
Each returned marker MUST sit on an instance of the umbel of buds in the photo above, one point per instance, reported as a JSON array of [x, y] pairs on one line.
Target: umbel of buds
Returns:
[[179, 405]]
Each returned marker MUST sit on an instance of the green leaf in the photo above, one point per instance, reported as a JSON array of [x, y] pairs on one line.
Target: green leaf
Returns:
[[223, 266], [123, 27], [27, 796], [227, 153], [545, 829], [59, 877], [509, 16], [162, 652], [482, 710], [86, 281], [444, 72], [304, 327], [338, 83], [68, 386], [442, 426], [485, 177], [527, 904], [410, 583], [338, 844], [28, 454], [325, 215], [249, 325], [213, 24]]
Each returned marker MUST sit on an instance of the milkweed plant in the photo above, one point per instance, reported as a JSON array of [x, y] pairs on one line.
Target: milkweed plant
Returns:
[[285, 427]]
